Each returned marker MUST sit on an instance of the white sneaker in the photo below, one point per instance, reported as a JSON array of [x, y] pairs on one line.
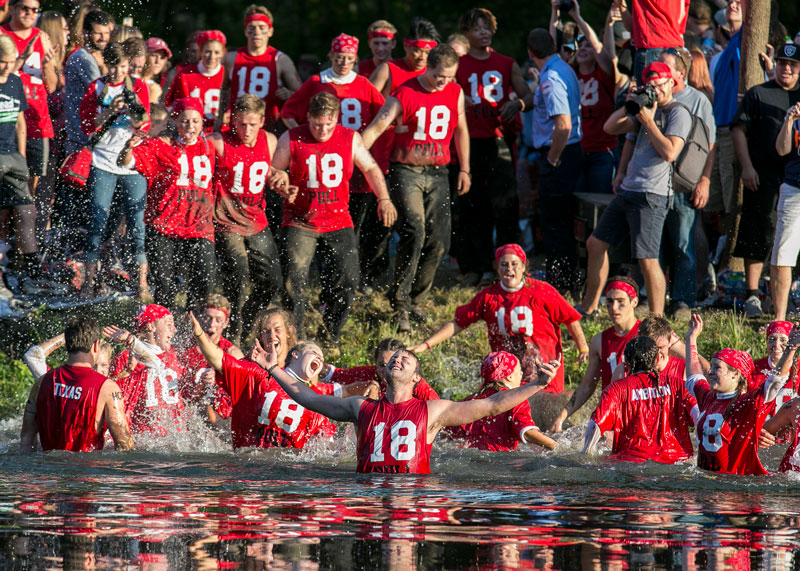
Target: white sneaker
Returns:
[[752, 307]]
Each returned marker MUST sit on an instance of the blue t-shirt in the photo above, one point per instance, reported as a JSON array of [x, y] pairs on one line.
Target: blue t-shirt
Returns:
[[12, 102], [726, 82], [558, 93]]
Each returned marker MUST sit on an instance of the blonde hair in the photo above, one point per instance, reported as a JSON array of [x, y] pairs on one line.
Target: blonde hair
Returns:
[[249, 103], [51, 22], [7, 46], [381, 25], [256, 9], [324, 104], [264, 315], [123, 33]]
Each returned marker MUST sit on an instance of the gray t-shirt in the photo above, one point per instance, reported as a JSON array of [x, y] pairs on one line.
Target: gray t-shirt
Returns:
[[80, 70], [700, 106], [647, 171]]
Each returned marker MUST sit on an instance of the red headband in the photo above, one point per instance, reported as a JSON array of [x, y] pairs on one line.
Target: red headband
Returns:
[[423, 44], [622, 286], [784, 327], [210, 35], [187, 104], [344, 44], [380, 34], [258, 18], [150, 314], [227, 315], [498, 366], [739, 360], [514, 249]]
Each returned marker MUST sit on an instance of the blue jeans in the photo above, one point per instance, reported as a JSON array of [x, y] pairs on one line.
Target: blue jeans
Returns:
[[680, 231], [642, 59], [599, 170], [102, 186]]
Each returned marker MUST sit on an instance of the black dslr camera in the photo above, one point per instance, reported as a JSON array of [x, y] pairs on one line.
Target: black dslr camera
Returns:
[[136, 110], [643, 97]]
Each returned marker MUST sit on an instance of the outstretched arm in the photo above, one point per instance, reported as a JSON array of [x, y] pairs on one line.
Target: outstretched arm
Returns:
[[36, 357], [585, 389], [693, 366], [211, 352], [446, 332]]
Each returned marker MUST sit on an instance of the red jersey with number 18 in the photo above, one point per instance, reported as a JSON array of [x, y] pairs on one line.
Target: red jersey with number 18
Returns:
[[66, 409], [196, 81], [240, 180], [427, 124], [487, 84], [531, 315], [180, 196], [322, 172], [257, 75], [612, 348], [191, 384], [393, 438]]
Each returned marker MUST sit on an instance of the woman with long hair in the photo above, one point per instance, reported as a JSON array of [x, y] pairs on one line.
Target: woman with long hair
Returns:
[[699, 78]]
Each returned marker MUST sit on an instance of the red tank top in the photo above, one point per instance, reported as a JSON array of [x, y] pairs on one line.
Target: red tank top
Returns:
[[37, 116], [393, 438], [427, 124], [240, 180], [487, 85], [597, 104], [66, 409], [612, 347], [401, 72], [257, 75], [322, 171]]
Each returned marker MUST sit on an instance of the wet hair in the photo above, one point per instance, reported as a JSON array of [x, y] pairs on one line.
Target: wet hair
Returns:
[[256, 9], [299, 348], [81, 333], [443, 54], [7, 46], [134, 47], [655, 327], [106, 347], [388, 344], [422, 29], [324, 104], [418, 368], [217, 301], [158, 112], [249, 103], [540, 43], [470, 19], [641, 355], [381, 25], [624, 279], [264, 315], [113, 53]]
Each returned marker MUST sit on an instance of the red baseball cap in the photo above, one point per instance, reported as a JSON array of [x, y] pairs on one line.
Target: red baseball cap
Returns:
[[157, 45], [656, 70]]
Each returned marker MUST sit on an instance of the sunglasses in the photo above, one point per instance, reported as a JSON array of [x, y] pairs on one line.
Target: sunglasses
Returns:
[[29, 9]]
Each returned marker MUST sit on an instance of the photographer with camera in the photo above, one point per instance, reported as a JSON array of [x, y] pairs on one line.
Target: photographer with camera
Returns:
[[659, 129], [115, 94]]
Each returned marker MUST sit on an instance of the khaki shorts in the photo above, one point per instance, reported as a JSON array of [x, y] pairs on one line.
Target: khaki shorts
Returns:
[[722, 195]]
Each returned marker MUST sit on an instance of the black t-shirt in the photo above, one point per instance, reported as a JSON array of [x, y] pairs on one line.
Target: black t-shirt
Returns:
[[12, 101], [792, 173], [762, 111]]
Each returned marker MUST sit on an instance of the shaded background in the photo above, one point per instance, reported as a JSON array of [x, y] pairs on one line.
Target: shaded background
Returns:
[[307, 26]]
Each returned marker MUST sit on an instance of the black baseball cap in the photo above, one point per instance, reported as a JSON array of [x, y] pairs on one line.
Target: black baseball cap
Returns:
[[789, 51]]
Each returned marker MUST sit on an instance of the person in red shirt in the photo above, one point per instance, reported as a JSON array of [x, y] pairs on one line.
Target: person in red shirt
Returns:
[[606, 348], [203, 79], [523, 315], [501, 371], [395, 434], [375, 375], [321, 156], [180, 203], [258, 69], [275, 327], [777, 335], [381, 41], [649, 417], [731, 417], [197, 384], [70, 407], [244, 241], [489, 81], [148, 372], [655, 25], [421, 39], [429, 112]]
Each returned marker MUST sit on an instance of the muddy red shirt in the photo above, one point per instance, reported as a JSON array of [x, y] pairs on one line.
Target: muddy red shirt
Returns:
[[612, 349], [196, 81], [650, 420], [529, 317], [66, 409], [180, 193], [487, 87], [728, 435], [366, 373], [426, 126], [263, 414], [194, 389], [257, 75], [240, 180], [322, 172], [359, 100], [597, 104], [789, 391], [393, 438], [37, 116], [500, 433], [153, 400]]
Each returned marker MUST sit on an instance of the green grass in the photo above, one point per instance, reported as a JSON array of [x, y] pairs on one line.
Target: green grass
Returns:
[[451, 367]]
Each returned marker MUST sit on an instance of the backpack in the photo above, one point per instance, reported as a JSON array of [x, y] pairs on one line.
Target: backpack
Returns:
[[688, 168]]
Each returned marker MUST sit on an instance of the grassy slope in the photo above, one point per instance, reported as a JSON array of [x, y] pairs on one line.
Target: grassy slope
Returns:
[[451, 368]]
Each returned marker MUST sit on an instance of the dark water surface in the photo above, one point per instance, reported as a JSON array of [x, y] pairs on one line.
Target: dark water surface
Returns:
[[199, 506]]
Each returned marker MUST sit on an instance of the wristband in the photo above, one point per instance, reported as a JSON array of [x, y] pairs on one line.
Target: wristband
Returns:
[[583, 350], [427, 345], [269, 370]]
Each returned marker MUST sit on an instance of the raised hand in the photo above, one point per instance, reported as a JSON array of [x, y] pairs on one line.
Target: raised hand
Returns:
[[695, 328], [114, 333]]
